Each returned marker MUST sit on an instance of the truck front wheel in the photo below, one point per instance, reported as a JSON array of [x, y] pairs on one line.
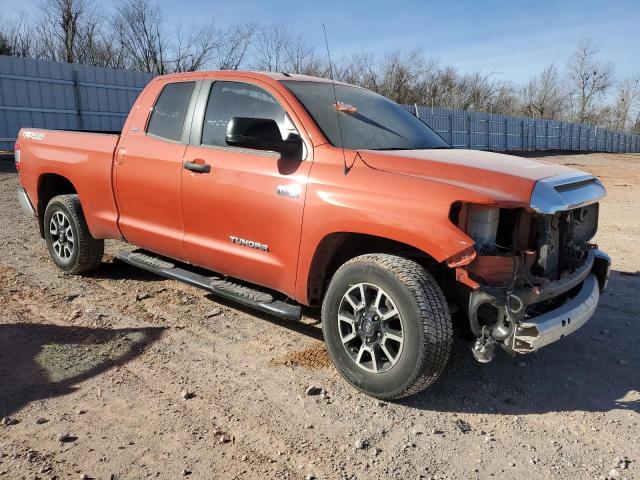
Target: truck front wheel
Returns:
[[70, 244], [387, 326]]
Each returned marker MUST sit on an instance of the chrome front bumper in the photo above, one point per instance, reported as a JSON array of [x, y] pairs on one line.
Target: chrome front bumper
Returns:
[[534, 333], [25, 203], [518, 333]]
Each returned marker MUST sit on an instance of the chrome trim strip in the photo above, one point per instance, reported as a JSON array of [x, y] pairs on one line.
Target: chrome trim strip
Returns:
[[537, 332], [547, 200], [25, 203]]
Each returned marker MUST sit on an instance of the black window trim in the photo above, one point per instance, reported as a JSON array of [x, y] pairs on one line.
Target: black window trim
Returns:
[[188, 116], [197, 125]]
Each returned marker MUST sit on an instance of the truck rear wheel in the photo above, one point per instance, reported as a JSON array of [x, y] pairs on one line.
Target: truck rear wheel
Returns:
[[387, 325], [70, 244]]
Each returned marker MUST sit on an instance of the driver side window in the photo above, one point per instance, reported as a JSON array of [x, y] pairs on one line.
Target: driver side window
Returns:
[[235, 99]]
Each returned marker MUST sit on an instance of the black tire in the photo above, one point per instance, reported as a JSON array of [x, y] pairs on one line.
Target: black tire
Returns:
[[86, 251], [424, 316]]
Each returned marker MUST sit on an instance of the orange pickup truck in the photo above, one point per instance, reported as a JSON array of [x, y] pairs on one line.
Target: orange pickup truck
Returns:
[[279, 191]]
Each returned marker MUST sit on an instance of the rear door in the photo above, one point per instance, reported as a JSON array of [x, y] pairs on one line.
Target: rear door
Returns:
[[243, 217], [149, 168]]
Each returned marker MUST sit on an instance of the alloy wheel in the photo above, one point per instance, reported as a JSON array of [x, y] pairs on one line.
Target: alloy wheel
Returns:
[[62, 239], [370, 327]]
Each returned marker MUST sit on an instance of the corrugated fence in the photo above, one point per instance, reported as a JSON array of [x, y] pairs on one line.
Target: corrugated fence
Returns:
[[36, 93], [486, 131]]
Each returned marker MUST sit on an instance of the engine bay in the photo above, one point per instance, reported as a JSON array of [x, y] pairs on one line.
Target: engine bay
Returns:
[[525, 264]]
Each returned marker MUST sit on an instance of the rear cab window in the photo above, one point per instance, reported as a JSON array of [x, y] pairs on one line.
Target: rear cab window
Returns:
[[169, 112]]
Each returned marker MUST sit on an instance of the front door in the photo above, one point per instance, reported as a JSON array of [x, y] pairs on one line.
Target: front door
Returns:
[[242, 211]]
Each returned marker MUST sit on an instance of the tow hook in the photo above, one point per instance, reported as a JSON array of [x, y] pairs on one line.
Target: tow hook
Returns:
[[483, 347]]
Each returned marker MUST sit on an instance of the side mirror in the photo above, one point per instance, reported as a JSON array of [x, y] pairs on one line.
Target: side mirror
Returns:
[[262, 134], [292, 147]]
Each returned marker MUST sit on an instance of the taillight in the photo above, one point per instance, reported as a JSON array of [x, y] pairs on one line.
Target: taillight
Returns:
[[16, 155]]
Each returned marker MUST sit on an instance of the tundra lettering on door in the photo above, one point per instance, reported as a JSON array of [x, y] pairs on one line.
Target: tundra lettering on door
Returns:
[[249, 243]]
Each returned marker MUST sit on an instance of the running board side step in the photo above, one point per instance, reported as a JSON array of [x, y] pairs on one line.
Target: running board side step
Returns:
[[225, 288]]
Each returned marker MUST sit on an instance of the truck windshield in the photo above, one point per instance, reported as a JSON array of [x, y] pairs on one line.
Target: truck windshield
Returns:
[[369, 121]]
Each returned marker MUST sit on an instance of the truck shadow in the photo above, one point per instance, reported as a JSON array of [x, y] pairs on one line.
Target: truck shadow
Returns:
[[595, 369], [312, 330], [40, 361], [115, 269]]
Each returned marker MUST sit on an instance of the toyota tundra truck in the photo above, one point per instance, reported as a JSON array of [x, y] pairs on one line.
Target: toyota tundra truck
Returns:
[[280, 191]]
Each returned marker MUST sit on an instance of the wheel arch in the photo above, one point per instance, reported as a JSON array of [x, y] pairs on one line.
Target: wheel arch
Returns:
[[336, 248], [51, 185]]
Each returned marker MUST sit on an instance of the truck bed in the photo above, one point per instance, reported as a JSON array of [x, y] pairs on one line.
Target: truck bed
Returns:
[[85, 159]]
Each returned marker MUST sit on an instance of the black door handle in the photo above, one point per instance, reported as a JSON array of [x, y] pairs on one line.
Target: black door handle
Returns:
[[197, 167]]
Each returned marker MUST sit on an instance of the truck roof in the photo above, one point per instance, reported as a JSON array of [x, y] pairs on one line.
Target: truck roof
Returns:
[[278, 76]]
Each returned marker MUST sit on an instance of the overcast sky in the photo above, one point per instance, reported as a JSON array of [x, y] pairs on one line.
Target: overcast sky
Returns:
[[515, 39]]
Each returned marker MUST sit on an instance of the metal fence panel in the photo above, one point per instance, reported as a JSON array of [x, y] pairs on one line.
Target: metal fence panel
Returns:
[[486, 131], [36, 93]]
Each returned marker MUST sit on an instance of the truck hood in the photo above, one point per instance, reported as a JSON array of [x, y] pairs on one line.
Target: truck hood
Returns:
[[505, 178]]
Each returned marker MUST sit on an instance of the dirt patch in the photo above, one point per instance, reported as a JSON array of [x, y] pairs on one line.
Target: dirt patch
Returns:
[[106, 358], [310, 358], [67, 357]]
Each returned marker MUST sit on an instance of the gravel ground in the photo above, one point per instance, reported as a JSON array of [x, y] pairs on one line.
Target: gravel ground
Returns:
[[123, 375]]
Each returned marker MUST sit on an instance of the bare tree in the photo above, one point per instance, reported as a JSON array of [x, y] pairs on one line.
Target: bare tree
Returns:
[[300, 57], [232, 50], [142, 35], [138, 27], [472, 91], [270, 48], [5, 45], [626, 97], [401, 77], [357, 69], [15, 39], [138, 37], [72, 31], [476, 91], [412, 78], [442, 86], [59, 28], [195, 50], [104, 51], [588, 80], [636, 125], [278, 49], [543, 96]]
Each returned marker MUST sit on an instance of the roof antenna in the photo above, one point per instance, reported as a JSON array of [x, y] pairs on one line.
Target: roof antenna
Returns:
[[335, 96]]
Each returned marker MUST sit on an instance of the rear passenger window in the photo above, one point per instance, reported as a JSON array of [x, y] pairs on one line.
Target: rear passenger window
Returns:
[[234, 99], [167, 117]]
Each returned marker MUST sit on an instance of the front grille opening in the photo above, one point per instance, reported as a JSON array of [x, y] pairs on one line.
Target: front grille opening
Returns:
[[566, 187]]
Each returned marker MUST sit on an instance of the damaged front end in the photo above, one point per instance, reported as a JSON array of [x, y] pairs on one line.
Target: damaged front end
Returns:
[[533, 276]]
